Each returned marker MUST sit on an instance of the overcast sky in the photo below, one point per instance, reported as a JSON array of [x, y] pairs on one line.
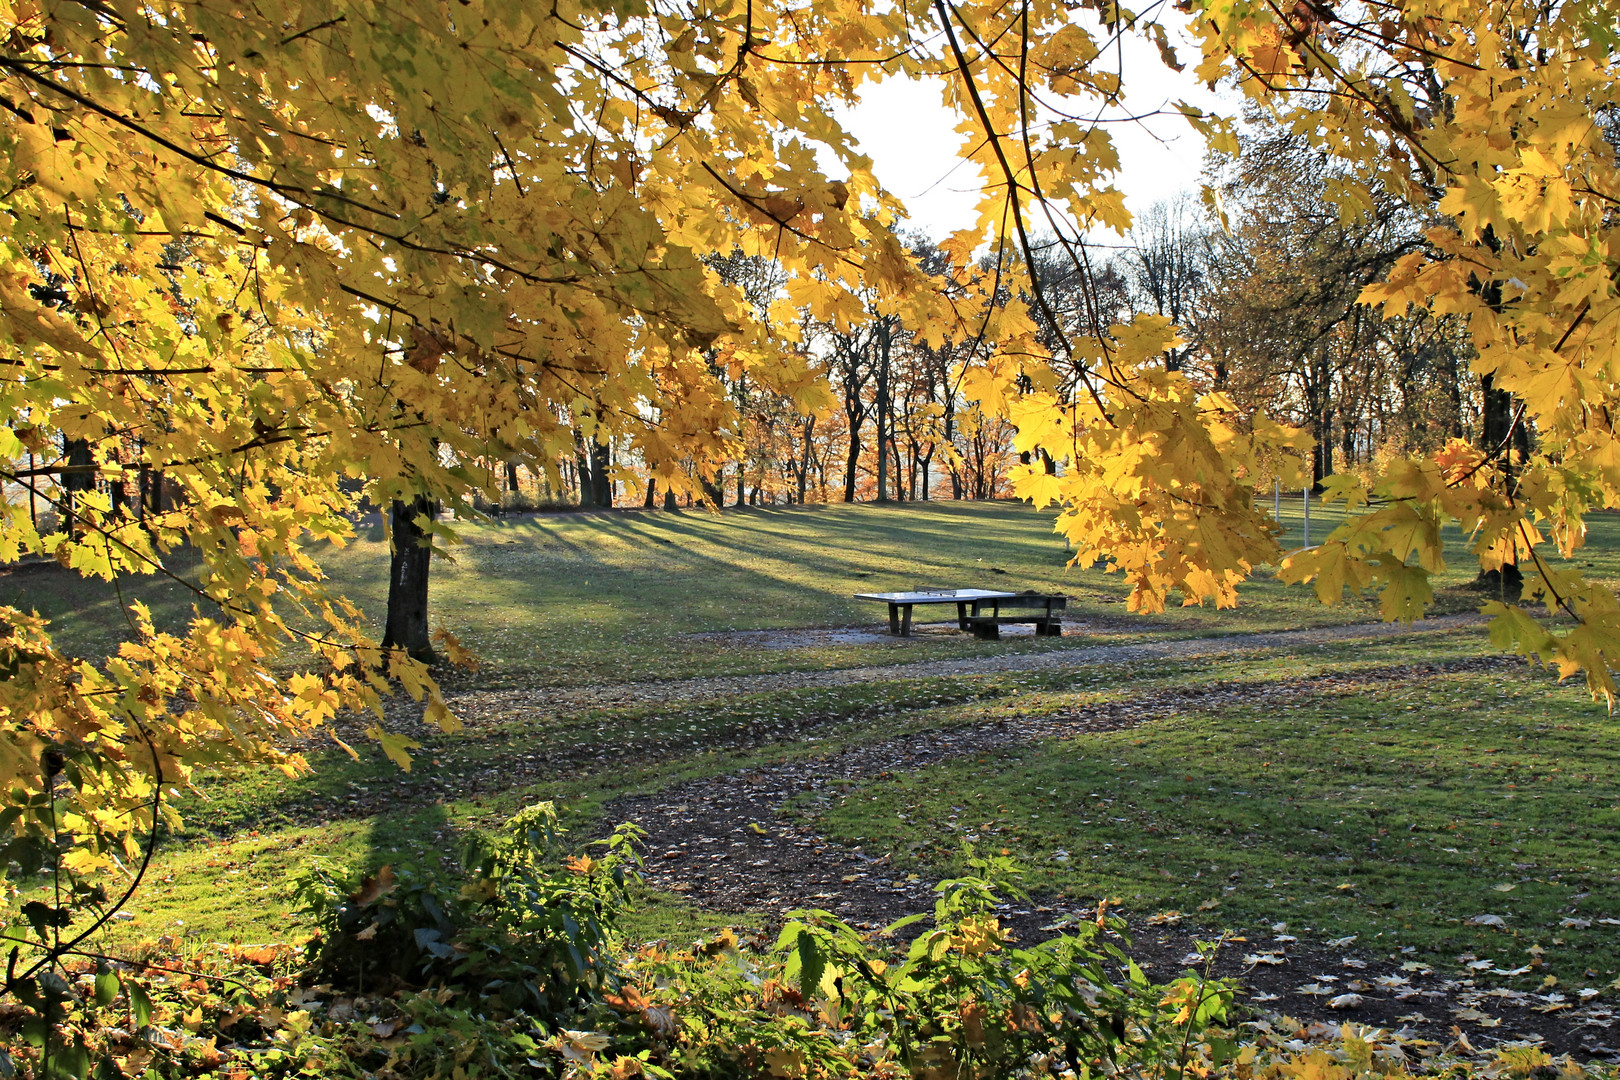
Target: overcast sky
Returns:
[[914, 149]]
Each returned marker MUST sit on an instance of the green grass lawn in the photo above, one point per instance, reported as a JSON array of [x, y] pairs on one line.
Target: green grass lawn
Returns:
[[577, 599], [1396, 812], [1423, 795]]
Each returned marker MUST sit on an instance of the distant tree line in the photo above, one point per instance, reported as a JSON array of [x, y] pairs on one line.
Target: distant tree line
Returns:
[[1264, 284]]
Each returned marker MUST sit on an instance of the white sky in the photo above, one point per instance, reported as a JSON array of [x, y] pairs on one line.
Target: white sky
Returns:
[[909, 135]]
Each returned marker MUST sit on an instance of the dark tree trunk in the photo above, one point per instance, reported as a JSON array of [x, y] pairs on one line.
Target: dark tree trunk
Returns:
[[601, 482], [1496, 433], [512, 478], [649, 501], [804, 465], [407, 625], [669, 500], [850, 464], [715, 490], [79, 478], [582, 470], [885, 421]]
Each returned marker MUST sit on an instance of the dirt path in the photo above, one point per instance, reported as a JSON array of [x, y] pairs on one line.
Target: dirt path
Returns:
[[616, 695], [727, 844]]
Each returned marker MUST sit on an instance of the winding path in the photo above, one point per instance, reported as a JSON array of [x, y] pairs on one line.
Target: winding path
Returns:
[[612, 695]]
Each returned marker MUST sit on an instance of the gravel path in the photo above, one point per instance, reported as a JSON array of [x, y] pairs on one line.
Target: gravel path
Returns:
[[613, 695]]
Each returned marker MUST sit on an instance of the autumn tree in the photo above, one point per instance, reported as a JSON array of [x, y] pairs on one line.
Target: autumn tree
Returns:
[[260, 252], [1164, 262], [1281, 326]]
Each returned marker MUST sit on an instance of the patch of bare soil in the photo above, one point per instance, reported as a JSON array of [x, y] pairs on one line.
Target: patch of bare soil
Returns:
[[730, 844]]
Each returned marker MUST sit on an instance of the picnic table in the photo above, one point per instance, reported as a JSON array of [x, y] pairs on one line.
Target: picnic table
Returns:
[[901, 603]]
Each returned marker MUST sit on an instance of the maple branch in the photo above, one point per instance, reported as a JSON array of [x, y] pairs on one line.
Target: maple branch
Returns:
[[1089, 292], [58, 949], [289, 191], [295, 193], [1013, 186], [314, 29], [1564, 603], [1382, 109], [1580, 317]]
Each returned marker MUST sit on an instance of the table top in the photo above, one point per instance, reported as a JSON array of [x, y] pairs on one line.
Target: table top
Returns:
[[935, 596]]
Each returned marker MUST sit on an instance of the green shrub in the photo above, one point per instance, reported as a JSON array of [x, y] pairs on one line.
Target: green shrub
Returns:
[[515, 967], [525, 920], [961, 1000]]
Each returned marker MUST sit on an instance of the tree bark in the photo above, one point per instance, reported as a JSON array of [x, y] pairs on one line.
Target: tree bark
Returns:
[[804, 467], [885, 421], [1496, 432], [411, 558], [78, 478], [601, 482], [850, 464], [715, 490], [582, 470]]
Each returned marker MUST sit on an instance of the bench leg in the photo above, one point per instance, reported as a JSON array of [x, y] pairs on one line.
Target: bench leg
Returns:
[[987, 631], [961, 615], [1049, 629], [894, 618], [905, 622]]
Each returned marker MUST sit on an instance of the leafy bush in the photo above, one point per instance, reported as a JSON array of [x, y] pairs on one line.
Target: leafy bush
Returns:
[[519, 960], [525, 919], [961, 1000]]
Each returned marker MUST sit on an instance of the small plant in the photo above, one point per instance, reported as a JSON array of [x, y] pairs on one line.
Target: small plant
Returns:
[[961, 1000], [525, 920]]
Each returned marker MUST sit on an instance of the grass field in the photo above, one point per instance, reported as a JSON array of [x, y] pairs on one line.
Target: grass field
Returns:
[[1401, 807], [1394, 812], [574, 599]]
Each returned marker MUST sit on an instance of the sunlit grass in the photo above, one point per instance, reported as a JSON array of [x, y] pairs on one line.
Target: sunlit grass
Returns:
[[576, 599]]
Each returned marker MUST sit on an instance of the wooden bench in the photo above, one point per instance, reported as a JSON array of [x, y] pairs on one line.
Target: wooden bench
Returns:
[[1045, 610]]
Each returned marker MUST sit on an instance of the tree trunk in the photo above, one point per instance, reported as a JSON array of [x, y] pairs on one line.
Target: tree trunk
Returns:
[[804, 468], [647, 503], [669, 499], [80, 478], [601, 481], [407, 624], [715, 490], [850, 464], [582, 471], [885, 422], [1496, 433]]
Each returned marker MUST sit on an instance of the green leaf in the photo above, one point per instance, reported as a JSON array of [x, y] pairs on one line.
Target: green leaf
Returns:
[[812, 965], [107, 986], [899, 924], [140, 1006], [69, 1061]]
